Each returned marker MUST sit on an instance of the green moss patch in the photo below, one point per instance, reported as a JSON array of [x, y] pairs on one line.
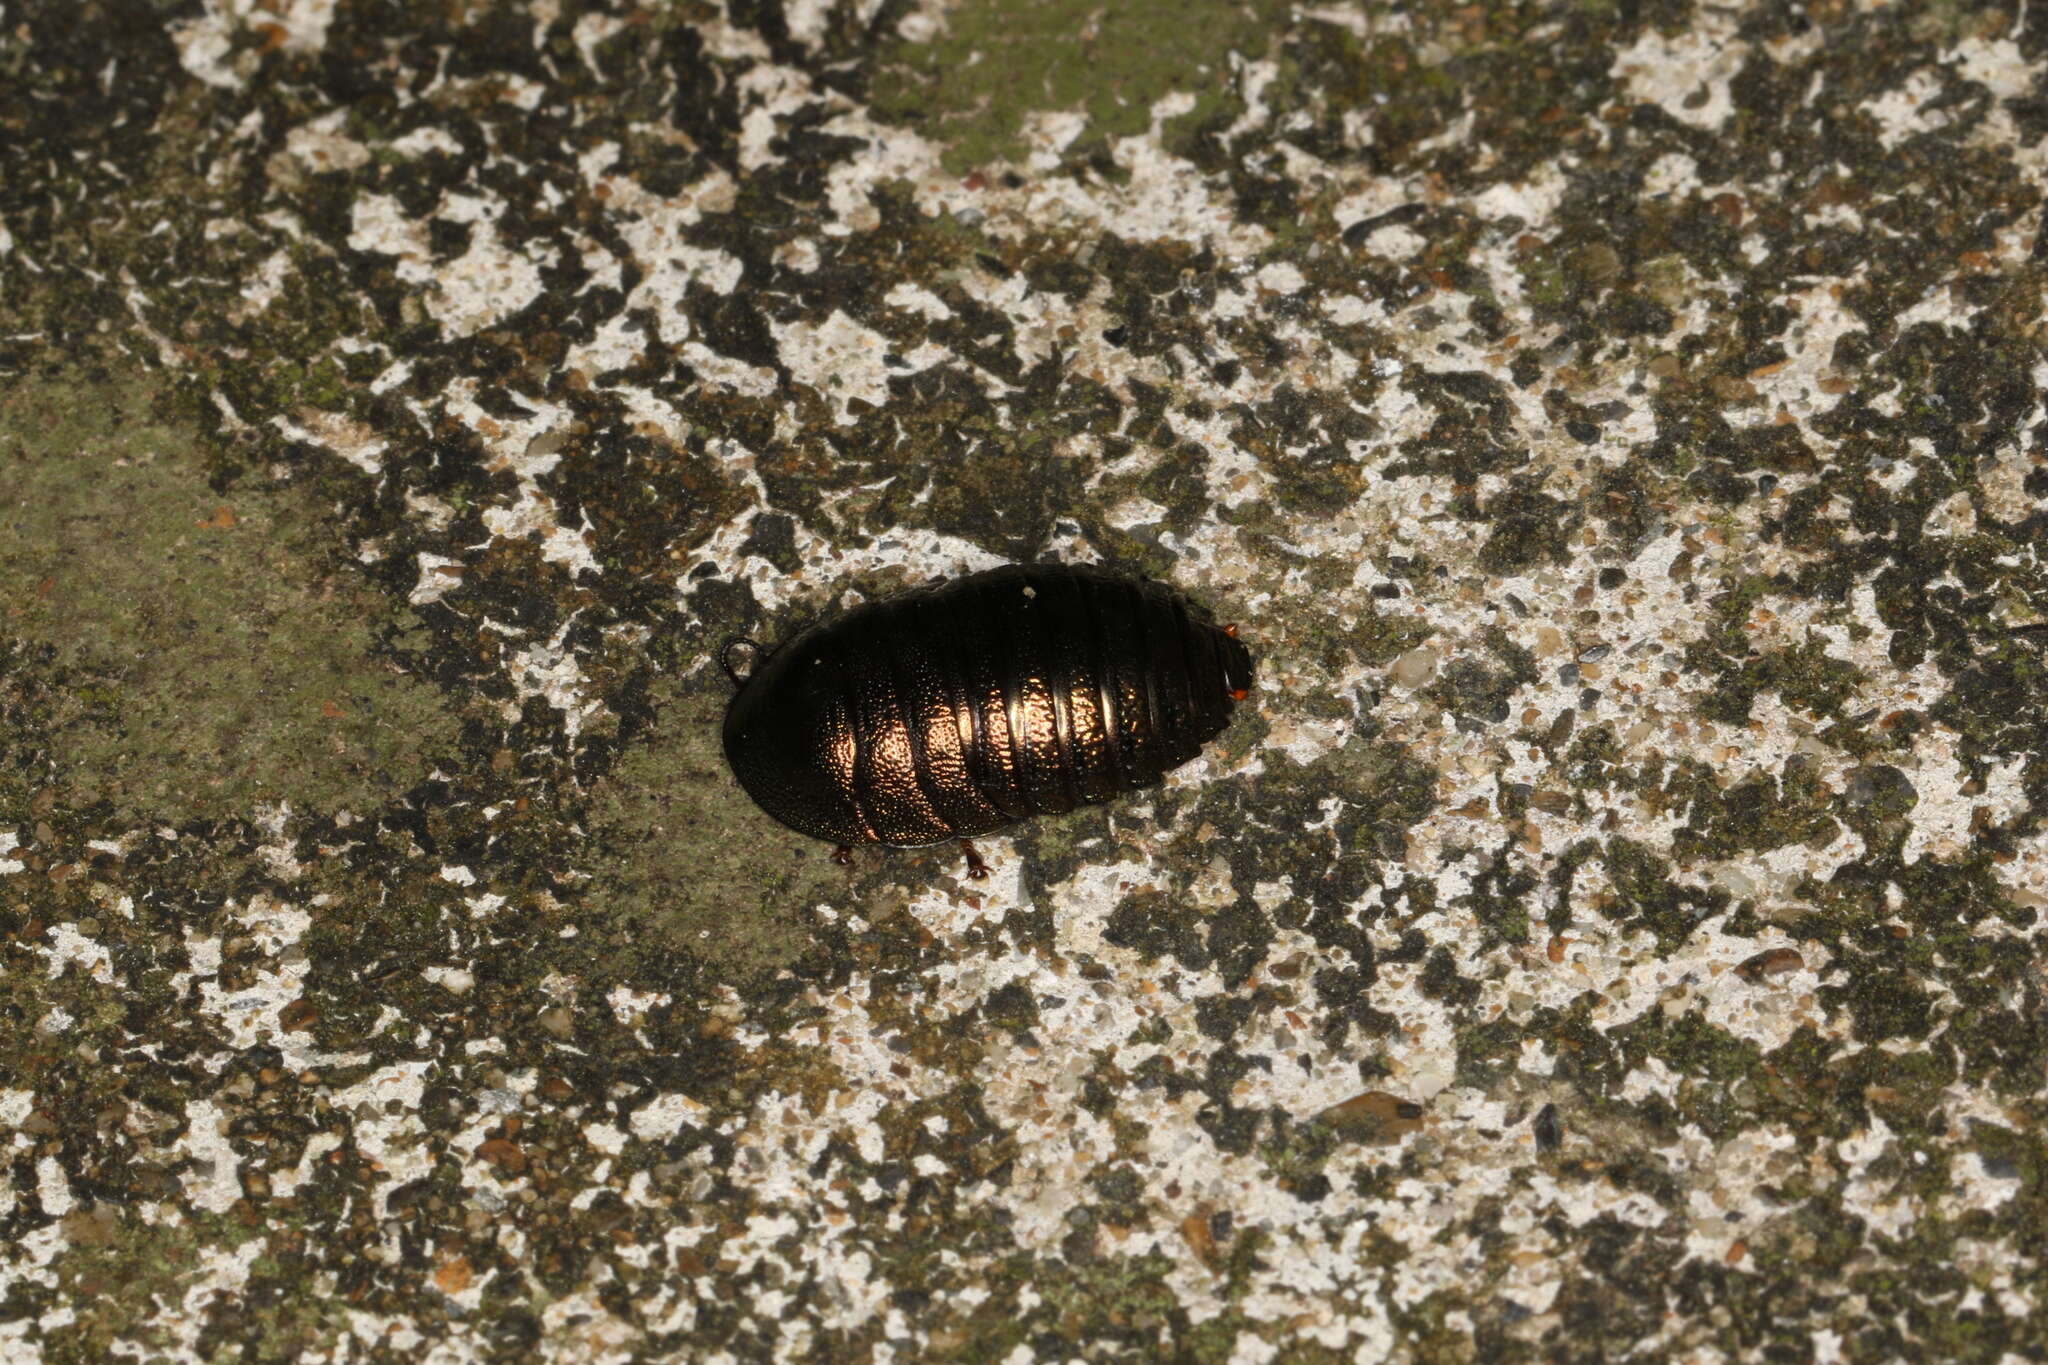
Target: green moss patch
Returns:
[[206, 655], [995, 63], [692, 861], [130, 1270]]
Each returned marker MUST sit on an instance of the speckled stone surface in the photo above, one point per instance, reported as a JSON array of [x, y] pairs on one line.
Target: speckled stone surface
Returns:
[[1611, 930]]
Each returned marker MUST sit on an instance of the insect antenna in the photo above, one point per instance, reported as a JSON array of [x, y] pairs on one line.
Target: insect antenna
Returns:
[[739, 679]]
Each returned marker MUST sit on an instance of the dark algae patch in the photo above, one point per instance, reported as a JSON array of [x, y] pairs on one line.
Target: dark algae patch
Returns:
[[204, 650]]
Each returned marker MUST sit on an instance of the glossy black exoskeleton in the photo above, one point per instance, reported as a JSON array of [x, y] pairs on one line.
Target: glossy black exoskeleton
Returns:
[[963, 707]]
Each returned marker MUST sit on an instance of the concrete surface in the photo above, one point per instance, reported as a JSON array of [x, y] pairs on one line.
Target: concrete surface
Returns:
[[1613, 929]]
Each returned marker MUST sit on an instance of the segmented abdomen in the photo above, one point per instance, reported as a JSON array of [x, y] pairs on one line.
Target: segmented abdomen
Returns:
[[955, 710]]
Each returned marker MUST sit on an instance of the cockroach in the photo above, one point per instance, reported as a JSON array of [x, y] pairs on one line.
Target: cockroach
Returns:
[[967, 705]]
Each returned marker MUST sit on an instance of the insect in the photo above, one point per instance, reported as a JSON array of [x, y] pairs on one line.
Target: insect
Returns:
[[962, 707]]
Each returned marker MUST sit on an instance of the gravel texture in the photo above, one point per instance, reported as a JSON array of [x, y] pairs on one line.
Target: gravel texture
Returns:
[[1612, 929]]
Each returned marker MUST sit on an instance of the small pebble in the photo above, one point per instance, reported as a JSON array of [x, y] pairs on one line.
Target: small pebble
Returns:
[[1415, 668]]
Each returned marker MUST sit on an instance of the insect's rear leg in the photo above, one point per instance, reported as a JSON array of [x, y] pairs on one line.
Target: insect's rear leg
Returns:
[[977, 870]]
